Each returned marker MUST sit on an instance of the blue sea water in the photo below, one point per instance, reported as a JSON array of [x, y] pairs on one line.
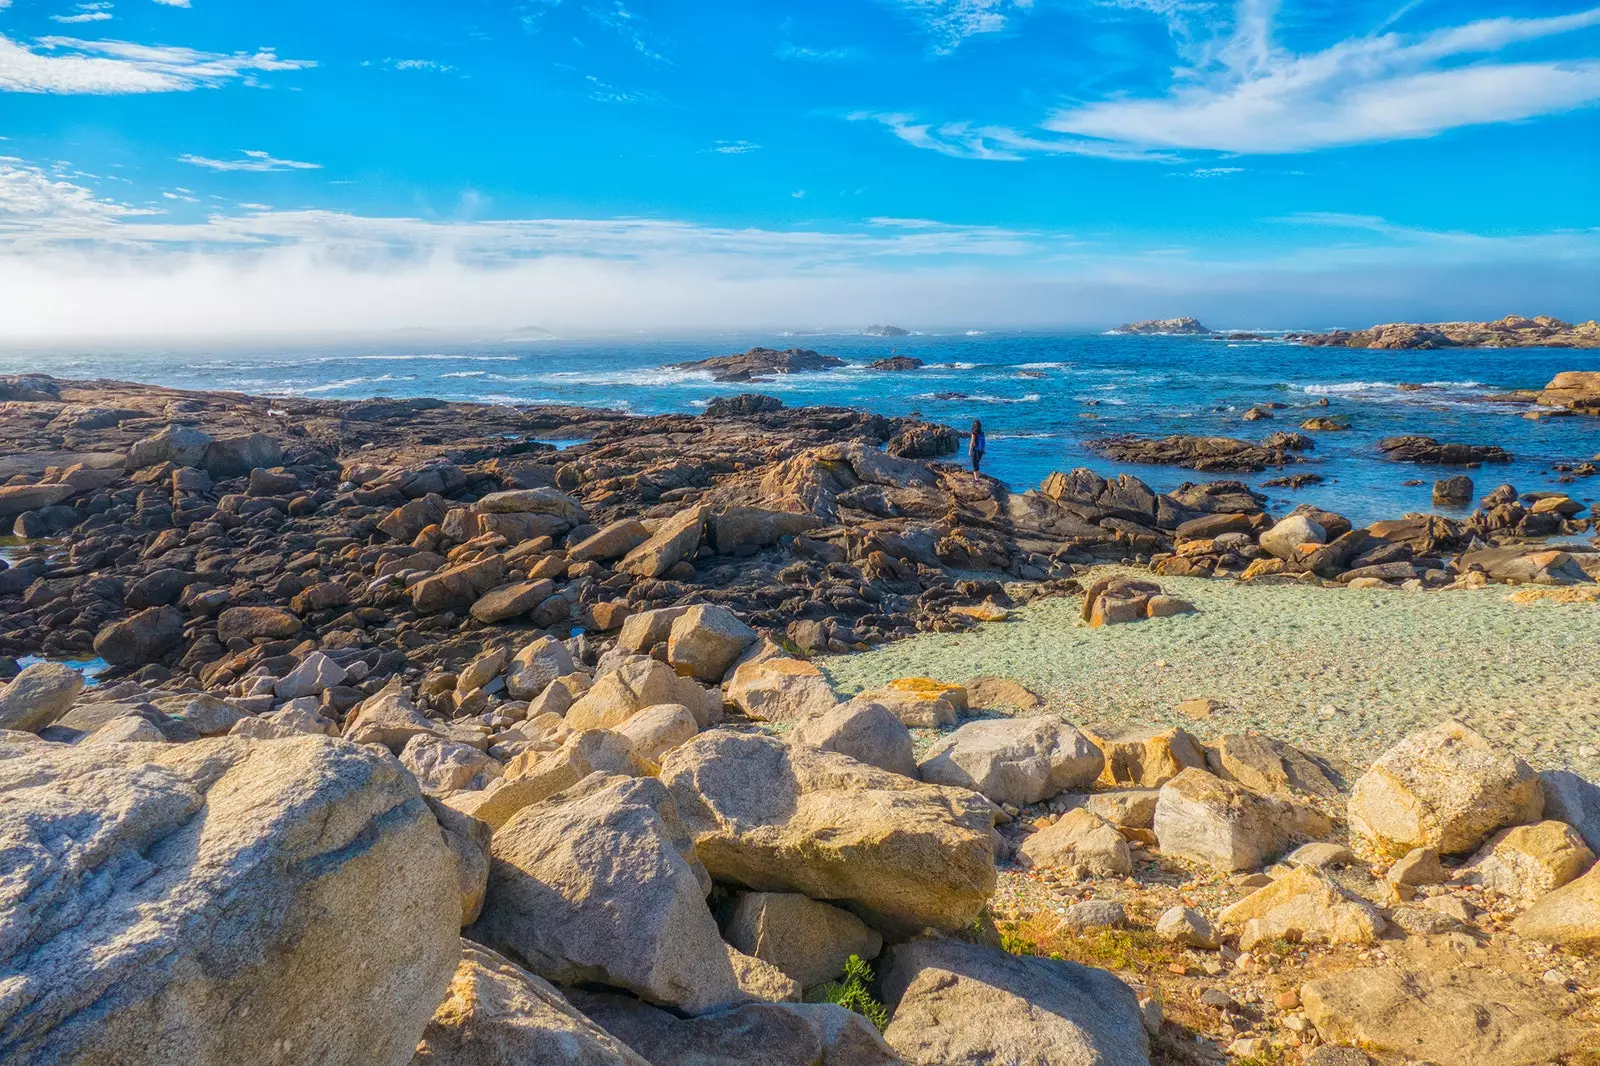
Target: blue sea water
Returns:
[[1040, 395]]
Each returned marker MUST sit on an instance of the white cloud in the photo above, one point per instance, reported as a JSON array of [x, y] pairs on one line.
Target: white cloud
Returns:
[[430, 65], [789, 50], [70, 65], [734, 147], [95, 11], [965, 140], [1251, 96], [174, 3], [949, 22], [254, 160]]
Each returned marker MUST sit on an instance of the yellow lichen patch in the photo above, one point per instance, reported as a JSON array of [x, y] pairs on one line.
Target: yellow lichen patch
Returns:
[[983, 612], [926, 688], [1556, 595]]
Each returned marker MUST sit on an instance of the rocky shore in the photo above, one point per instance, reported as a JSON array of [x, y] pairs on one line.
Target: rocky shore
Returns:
[[1513, 331], [463, 734]]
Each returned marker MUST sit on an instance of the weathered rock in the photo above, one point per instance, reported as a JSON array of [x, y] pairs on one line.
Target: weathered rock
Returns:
[[705, 640], [1147, 758], [1271, 767], [315, 674], [388, 717], [1014, 760], [1093, 914], [534, 777], [677, 539], [757, 1034], [498, 1014], [1571, 799], [458, 587], [644, 630], [807, 940], [1002, 693], [468, 841], [611, 542], [900, 854], [1569, 916], [533, 501], [1445, 788], [38, 696], [178, 445], [636, 684], [956, 1002], [782, 690], [654, 731], [442, 766], [1187, 928], [1415, 449], [157, 589], [18, 499], [599, 883], [1082, 843], [252, 623], [1520, 566], [1420, 866], [1285, 540], [140, 638], [1205, 819], [533, 668], [509, 601], [155, 888], [1529, 861], [1303, 905], [865, 732], [738, 530], [1454, 1017]]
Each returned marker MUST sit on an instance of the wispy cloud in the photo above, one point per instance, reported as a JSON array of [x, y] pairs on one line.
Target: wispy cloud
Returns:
[[790, 50], [734, 147], [431, 66], [949, 22], [966, 140], [97, 11], [1247, 94], [254, 160], [69, 65], [174, 3]]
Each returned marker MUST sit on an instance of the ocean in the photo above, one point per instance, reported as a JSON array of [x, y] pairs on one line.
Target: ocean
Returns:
[[1040, 396]]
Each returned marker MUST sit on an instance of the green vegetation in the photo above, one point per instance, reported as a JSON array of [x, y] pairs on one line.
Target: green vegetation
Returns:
[[853, 991]]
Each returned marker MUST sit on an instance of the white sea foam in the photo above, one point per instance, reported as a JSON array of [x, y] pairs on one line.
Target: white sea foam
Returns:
[[1058, 365], [465, 374], [350, 383]]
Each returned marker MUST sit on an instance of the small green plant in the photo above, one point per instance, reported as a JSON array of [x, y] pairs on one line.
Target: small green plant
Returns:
[[853, 991]]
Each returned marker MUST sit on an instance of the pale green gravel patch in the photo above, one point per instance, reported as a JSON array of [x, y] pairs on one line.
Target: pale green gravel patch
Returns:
[[1341, 673]]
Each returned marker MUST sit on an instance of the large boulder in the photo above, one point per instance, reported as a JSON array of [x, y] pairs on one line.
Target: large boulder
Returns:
[[780, 690], [546, 501], [1271, 767], [654, 731], [1570, 798], [864, 731], [740, 530], [675, 540], [1529, 861], [632, 686], [230, 457], [17, 499], [705, 640], [255, 623], [1205, 819], [154, 890], [600, 884], [1147, 758], [956, 1002], [1569, 916], [458, 587], [1457, 1016], [807, 940], [900, 854], [140, 638], [1081, 842], [1289, 536], [387, 717], [1014, 760], [509, 601], [611, 542], [535, 776], [1521, 566], [38, 696], [178, 445], [498, 1014], [757, 1034], [535, 666], [1445, 788], [1303, 905]]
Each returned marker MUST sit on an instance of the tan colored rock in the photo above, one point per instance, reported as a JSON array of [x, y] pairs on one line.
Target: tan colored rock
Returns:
[[1147, 758], [387, 717], [807, 940], [1528, 861], [612, 542], [498, 1014], [705, 641], [1569, 916], [600, 884], [534, 776], [900, 854], [468, 840], [632, 686], [645, 630], [1187, 928], [760, 980], [1013, 760], [1002, 693], [1453, 1017], [38, 696], [533, 668], [1080, 842], [1420, 866], [866, 732], [1271, 767], [1303, 905], [152, 889], [956, 1002], [509, 601], [532, 501], [442, 766], [677, 539], [654, 731], [783, 691], [1205, 819], [1446, 788]]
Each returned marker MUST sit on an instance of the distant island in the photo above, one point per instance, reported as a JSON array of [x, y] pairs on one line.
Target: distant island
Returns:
[[1513, 331], [1186, 326], [886, 331], [897, 362], [762, 362]]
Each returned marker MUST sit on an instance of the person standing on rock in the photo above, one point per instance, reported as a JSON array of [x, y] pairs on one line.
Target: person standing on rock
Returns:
[[975, 447]]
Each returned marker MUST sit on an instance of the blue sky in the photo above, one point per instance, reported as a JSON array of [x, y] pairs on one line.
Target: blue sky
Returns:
[[618, 164]]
